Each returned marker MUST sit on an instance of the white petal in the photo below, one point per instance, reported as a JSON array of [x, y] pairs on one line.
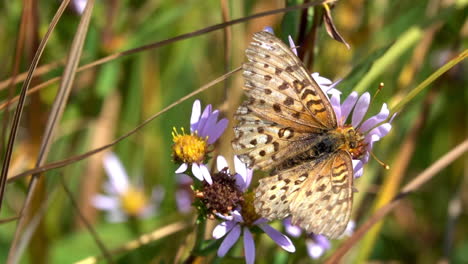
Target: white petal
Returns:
[[237, 216], [241, 169], [116, 173], [269, 30], [350, 228], [221, 163], [320, 80], [197, 171], [105, 202], [182, 168], [222, 229], [206, 174], [315, 250], [196, 111], [292, 45]]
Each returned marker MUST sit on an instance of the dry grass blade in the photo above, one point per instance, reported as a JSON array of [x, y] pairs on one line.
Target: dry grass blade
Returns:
[[65, 162], [171, 40], [429, 80], [43, 69], [422, 178], [90, 228], [33, 224], [22, 98], [53, 120], [9, 219], [142, 240]]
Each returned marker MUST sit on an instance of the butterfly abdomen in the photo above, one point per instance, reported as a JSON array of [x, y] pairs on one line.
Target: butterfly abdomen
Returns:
[[320, 146]]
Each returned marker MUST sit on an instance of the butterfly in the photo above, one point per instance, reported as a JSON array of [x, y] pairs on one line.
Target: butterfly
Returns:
[[288, 125]]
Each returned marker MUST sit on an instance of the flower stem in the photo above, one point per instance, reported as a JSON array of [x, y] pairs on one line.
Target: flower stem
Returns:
[[199, 238], [199, 235]]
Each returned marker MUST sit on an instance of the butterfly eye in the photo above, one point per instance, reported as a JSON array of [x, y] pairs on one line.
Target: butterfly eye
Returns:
[[352, 144]]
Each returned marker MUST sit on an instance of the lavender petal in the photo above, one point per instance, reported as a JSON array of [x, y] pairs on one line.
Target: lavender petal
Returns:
[[249, 246], [280, 239], [335, 102], [116, 173], [229, 241], [208, 127], [222, 229], [373, 121], [348, 105], [217, 130], [360, 109]]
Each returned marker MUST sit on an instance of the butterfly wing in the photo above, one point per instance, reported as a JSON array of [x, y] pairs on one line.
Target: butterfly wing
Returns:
[[324, 202], [275, 194], [263, 144], [318, 195], [281, 90], [285, 106]]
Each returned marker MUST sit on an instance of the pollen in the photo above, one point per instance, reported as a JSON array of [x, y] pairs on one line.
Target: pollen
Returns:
[[188, 147], [133, 201], [248, 210]]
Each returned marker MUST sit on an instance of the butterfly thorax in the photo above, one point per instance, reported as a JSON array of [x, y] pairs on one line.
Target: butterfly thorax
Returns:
[[320, 145], [352, 141]]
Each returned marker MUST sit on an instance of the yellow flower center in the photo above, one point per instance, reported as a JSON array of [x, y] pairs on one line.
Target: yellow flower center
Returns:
[[188, 148], [133, 201], [248, 211]]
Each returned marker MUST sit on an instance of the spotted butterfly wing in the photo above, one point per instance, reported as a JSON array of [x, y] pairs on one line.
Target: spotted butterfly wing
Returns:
[[318, 195], [284, 115], [280, 91]]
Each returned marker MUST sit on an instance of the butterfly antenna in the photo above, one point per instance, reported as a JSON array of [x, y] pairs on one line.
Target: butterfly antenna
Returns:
[[383, 164], [381, 86]]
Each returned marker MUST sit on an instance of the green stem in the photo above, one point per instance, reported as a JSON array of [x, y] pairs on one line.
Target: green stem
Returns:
[[200, 235], [199, 238]]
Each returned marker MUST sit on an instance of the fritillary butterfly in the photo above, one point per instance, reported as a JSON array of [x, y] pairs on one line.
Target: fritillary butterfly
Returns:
[[288, 125]]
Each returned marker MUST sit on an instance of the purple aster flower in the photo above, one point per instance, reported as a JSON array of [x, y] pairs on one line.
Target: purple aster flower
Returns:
[[316, 245], [191, 149], [232, 229], [123, 199], [79, 5], [240, 221]]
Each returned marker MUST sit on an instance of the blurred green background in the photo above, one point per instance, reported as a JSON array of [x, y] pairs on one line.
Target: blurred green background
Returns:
[[399, 43]]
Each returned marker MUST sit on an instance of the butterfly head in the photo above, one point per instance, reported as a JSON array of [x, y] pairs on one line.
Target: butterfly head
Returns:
[[354, 142]]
